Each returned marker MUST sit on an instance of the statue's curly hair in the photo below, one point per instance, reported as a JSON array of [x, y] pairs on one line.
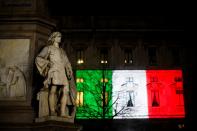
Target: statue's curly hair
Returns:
[[52, 36]]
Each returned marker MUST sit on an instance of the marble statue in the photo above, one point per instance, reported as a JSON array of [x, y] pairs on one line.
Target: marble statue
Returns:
[[59, 91]]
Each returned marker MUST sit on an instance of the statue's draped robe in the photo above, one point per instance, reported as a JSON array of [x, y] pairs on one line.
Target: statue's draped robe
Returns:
[[54, 66]]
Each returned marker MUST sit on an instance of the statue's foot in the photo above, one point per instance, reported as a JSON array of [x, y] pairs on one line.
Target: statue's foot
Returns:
[[66, 116]]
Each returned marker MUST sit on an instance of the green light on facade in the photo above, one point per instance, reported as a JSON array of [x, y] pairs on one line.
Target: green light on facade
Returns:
[[92, 83]]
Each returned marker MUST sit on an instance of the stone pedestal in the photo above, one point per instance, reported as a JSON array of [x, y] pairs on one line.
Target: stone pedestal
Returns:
[[24, 30], [54, 118], [56, 126], [42, 126]]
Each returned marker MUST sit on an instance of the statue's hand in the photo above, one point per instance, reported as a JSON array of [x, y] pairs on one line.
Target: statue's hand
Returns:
[[45, 84]]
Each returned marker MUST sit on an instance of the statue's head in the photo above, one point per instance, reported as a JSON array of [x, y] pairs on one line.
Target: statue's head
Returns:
[[53, 36]]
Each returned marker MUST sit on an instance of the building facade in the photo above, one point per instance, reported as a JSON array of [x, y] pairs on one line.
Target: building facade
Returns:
[[91, 43]]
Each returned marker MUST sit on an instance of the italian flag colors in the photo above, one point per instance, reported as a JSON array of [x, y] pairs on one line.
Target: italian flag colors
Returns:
[[127, 94]]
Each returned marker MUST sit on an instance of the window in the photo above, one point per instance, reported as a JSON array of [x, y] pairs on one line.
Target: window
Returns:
[[179, 90], [153, 79], [104, 56], [128, 56], [175, 56], [79, 100], [155, 98], [104, 80], [80, 56], [79, 80], [152, 55], [106, 98]]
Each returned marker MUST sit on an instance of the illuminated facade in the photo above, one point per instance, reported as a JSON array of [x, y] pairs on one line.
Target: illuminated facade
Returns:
[[131, 94]]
